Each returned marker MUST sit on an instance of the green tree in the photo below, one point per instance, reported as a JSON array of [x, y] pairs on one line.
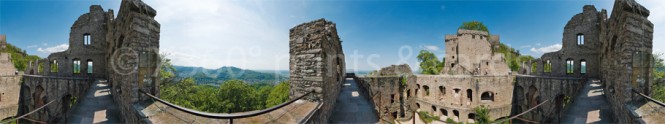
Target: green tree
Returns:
[[474, 25], [167, 71], [278, 95], [658, 88], [482, 113], [237, 96], [429, 63]]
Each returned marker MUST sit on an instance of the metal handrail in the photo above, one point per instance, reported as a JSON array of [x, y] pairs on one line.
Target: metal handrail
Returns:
[[31, 112], [527, 111], [649, 98], [225, 115]]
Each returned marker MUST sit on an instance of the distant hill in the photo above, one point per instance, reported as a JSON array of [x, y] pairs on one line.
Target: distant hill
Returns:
[[20, 58], [217, 76]]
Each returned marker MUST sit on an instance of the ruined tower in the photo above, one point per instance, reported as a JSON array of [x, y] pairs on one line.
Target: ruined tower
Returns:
[[316, 64]]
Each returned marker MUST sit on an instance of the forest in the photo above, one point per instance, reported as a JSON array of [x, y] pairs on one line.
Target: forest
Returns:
[[231, 96]]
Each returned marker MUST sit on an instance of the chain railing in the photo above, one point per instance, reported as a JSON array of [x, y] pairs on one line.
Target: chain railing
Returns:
[[518, 115], [29, 113]]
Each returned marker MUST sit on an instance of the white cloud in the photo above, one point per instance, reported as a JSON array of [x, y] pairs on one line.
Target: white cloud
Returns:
[[547, 49], [431, 47], [53, 49], [212, 34]]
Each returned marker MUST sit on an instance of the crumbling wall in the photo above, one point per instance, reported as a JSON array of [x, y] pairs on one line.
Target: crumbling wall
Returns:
[[626, 42], [445, 95], [87, 43], [9, 87], [387, 89], [37, 91], [580, 43], [470, 52], [530, 91], [316, 64]]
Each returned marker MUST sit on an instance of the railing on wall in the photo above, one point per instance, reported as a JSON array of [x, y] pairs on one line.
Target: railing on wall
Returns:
[[29, 113], [649, 98], [229, 116], [520, 114]]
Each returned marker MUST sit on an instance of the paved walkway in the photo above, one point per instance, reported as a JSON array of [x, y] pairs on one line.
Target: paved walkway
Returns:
[[590, 106], [352, 107], [96, 107]]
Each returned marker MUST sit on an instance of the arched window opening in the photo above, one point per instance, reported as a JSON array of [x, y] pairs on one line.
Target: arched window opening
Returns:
[[487, 96], [534, 67], [433, 108], [444, 112], [583, 66], [426, 90], [392, 98], [442, 90], [471, 118], [408, 93], [569, 66], [456, 115], [86, 39], [54, 66], [548, 66], [40, 67], [457, 92], [418, 105], [469, 95], [580, 39], [89, 67], [77, 66]]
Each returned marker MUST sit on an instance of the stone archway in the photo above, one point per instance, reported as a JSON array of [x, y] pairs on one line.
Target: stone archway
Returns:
[[38, 97]]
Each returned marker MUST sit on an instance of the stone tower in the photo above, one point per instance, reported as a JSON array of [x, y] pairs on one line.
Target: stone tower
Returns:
[[316, 64], [3, 42]]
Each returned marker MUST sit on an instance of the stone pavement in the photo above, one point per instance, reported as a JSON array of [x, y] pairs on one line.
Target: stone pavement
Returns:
[[352, 107], [590, 106], [96, 107]]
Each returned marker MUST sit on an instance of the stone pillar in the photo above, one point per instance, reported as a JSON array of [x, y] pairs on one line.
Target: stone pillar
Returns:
[[316, 64]]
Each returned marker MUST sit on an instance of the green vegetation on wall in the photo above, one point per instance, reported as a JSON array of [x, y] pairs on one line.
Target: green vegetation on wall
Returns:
[[19, 57], [474, 25], [426, 117]]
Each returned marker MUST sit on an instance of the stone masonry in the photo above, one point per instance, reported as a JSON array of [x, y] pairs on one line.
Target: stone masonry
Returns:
[[3, 42], [316, 64], [123, 51], [9, 87]]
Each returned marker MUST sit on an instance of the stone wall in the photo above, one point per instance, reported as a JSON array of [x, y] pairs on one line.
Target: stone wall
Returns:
[[580, 44], [626, 50], [457, 96], [9, 87], [3, 41], [92, 27], [530, 91], [133, 58], [470, 52], [388, 96], [316, 64], [37, 91]]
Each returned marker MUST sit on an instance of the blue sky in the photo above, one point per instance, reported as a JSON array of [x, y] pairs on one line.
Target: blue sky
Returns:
[[254, 34]]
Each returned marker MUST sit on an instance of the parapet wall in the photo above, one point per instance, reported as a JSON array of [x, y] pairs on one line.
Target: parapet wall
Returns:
[[530, 91], [10, 89], [37, 91]]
